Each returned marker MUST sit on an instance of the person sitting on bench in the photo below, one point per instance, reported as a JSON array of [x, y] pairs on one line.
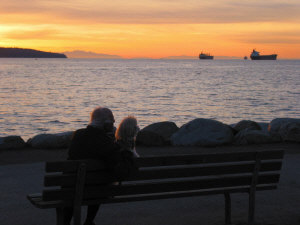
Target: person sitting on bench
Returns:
[[126, 134], [97, 141]]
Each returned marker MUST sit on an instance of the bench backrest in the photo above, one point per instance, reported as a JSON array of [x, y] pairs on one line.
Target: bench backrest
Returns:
[[165, 176]]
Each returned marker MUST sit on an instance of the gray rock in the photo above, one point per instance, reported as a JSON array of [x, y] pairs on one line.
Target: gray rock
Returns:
[[264, 127], [246, 124], [51, 141], [250, 136], [203, 132], [11, 142], [156, 134], [287, 129]]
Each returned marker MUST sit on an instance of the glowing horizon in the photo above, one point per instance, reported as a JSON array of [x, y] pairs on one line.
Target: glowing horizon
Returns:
[[154, 29]]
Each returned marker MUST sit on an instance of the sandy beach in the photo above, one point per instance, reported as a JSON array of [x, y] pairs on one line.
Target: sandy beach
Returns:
[[21, 173]]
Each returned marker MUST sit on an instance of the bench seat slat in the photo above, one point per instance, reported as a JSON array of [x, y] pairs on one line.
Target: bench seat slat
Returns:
[[71, 165], [159, 186], [208, 158], [155, 196], [97, 177], [38, 202], [177, 186], [101, 177]]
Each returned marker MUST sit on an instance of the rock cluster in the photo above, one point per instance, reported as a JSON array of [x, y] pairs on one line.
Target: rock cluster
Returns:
[[156, 134], [250, 132], [286, 129], [12, 142], [51, 141], [198, 132], [207, 132], [203, 132]]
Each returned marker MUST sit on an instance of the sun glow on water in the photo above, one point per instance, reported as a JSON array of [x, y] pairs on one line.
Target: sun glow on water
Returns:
[[56, 95]]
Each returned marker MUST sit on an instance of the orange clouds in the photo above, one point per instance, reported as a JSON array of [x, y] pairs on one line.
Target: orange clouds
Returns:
[[153, 28], [154, 11], [32, 34]]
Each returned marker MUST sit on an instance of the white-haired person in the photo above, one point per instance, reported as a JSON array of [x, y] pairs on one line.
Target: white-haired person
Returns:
[[126, 134], [97, 141]]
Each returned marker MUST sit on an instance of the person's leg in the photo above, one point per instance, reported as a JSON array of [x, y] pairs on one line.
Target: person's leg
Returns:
[[91, 214], [68, 214]]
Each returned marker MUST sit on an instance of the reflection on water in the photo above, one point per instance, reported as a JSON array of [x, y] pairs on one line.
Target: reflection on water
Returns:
[[54, 95]]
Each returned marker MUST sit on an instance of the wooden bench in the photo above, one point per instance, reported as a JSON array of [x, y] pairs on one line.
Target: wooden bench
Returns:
[[78, 183]]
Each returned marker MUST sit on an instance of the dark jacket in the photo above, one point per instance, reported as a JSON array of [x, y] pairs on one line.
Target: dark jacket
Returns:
[[97, 144]]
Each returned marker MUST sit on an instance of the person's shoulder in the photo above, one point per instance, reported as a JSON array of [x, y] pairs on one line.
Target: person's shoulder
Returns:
[[80, 132]]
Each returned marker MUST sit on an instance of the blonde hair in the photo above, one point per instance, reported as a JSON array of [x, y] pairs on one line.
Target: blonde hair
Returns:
[[127, 129]]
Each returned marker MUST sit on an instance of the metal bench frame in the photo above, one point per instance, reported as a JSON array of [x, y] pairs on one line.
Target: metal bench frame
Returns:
[[86, 182]]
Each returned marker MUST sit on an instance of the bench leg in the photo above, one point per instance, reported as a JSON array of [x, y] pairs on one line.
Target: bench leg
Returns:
[[251, 207], [252, 190], [77, 215], [59, 216], [227, 208]]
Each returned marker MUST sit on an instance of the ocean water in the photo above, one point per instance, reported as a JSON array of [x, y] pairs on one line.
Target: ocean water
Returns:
[[57, 95]]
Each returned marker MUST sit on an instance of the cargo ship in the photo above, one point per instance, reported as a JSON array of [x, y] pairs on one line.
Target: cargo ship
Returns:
[[205, 56], [256, 56]]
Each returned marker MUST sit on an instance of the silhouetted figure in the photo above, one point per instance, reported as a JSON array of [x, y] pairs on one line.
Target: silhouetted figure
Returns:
[[97, 141], [126, 134]]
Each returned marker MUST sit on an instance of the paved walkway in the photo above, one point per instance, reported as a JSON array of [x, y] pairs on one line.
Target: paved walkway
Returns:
[[279, 207]]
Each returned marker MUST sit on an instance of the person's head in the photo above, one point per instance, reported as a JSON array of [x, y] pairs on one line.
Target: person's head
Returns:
[[127, 129], [102, 117]]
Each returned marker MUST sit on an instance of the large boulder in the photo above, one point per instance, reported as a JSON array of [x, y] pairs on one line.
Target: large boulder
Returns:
[[246, 124], [250, 136], [51, 141], [287, 129], [203, 132], [156, 134], [264, 127], [11, 142]]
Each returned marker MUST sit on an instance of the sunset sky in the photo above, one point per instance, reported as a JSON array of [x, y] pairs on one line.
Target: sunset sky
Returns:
[[153, 28]]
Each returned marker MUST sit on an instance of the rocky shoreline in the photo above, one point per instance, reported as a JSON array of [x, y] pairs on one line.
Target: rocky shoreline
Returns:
[[198, 132]]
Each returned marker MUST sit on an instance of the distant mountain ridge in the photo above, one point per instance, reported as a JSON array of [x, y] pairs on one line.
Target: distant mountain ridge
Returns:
[[180, 57], [84, 54], [28, 53]]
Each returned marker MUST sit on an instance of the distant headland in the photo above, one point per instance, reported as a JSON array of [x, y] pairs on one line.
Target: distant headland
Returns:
[[90, 55], [28, 53]]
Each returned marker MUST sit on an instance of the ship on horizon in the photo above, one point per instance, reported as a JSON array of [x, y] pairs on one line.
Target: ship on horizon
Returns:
[[205, 56], [256, 56]]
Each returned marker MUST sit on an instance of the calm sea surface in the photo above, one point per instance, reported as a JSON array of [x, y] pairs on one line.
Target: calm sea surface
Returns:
[[56, 95]]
